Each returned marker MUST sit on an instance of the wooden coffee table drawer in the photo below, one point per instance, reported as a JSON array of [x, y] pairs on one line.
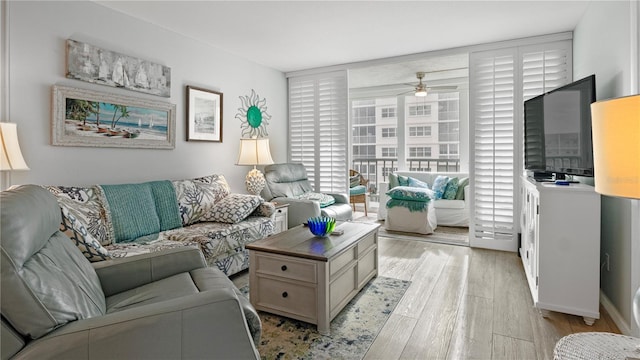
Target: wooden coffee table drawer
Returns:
[[366, 243], [367, 266], [288, 299], [286, 267]]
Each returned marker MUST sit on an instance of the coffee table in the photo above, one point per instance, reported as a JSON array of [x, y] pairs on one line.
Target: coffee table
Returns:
[[308, 278]]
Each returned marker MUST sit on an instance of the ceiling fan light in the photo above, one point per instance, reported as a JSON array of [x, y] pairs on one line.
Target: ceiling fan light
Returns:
[[421, 92]]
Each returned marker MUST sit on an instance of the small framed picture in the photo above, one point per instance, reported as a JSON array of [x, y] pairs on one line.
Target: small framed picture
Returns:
[[204, 115]]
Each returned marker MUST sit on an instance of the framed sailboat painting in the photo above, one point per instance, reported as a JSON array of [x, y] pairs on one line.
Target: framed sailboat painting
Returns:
[[204, 115], [91, 118], [90, 63]]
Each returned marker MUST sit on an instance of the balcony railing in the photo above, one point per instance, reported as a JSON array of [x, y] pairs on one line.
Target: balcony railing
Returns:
[[377, 170]]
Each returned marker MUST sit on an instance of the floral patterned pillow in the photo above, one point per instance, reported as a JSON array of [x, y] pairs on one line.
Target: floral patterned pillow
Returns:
[[451, 190], [196, 197], [90, 247], [233, 208], [84, 205], [440, 185]]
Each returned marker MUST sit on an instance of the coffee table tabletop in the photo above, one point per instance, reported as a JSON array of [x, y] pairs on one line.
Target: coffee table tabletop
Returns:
[[300, 242]]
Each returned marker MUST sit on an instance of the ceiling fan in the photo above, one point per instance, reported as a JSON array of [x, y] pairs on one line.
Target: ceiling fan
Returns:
[[421, 88]]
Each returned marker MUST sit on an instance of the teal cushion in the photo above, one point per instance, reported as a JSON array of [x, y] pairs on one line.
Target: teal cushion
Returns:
[[461, 184], [451, 190], [132, 209], [410, 193], [403, 180], [440, 185], [358, 190], [393, 181], [324, 199], [417, 183]]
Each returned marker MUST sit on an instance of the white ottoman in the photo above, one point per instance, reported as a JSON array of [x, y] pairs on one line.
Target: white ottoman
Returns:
[[402, 219]]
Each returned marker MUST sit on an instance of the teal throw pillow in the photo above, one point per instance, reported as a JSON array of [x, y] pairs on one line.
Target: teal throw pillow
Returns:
[[439, 186], [417, 183], [461, 184], [410, 193], [393, 181], [403, 180], [451, 190], [324, 199], [354, 180]]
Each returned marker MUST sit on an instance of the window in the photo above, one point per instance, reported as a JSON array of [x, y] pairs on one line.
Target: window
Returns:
[[391, 152], [318, 128], [419, 130], [389, 112], [448, 131], [364, 151], [419, 110], [449, 151], [388, 132], [420, 152]]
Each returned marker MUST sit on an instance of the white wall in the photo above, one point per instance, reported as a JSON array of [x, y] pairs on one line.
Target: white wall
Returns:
[[37, 34], [605, 43]]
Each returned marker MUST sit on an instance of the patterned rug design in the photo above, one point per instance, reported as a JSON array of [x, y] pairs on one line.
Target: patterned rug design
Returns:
[[352, 331]]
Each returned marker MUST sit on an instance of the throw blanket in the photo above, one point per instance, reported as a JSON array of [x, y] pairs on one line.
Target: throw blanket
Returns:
[[413, 206], [141, 209]]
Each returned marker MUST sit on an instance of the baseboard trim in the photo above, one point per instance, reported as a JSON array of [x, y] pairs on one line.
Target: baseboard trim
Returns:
[[615, 315]]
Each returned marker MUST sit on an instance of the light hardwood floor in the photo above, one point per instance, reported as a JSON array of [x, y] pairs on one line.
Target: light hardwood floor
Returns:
[[464, 303]]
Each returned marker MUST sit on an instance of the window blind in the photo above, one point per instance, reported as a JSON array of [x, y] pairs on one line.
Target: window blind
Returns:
[[492, 80], [318, 120], [500, 82]]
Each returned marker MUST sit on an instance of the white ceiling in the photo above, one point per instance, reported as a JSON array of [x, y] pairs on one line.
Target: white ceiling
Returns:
[[298, 35]]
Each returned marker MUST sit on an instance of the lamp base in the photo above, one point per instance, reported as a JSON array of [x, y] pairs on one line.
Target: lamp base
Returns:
[[255, 181]]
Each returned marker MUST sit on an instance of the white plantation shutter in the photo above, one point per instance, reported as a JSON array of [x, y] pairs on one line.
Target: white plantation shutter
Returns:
[[545, 67], [318, 110], [500, 82], [493, 83]]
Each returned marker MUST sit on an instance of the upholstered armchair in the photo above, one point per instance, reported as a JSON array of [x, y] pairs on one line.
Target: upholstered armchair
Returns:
[[163, 305], [288, 183]]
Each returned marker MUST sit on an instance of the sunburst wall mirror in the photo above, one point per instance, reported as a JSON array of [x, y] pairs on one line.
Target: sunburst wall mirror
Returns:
[[253, 116]]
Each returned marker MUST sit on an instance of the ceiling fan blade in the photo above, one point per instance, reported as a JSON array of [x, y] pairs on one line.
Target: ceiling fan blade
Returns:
[[442, 87]]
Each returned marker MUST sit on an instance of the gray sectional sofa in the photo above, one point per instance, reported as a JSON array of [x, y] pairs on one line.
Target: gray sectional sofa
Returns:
[[115, 221]]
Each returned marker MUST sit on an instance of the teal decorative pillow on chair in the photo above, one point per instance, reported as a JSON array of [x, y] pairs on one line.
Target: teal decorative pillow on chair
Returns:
[[393, 181], [417, 183], [451, 190], [440, 185], [410, 193]]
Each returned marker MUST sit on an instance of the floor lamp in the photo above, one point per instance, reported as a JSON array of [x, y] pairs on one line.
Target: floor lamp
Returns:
[[10, 155]]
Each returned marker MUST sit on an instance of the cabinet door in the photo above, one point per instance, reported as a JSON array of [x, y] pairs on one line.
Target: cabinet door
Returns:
[[529, 228]]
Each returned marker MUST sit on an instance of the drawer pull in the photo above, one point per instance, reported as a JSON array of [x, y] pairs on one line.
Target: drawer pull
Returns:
[[280, 211], [284, 294], [284, 268]]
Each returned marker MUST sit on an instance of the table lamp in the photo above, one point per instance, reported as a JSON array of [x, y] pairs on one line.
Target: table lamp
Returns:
[[254, 152], [10, 155], [616, 146]]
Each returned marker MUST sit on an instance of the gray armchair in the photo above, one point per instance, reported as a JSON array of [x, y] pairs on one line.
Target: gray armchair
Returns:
[[286, 183], [163, 305]]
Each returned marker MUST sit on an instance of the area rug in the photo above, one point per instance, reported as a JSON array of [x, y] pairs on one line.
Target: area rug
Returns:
[[352, 331], [442, 234]]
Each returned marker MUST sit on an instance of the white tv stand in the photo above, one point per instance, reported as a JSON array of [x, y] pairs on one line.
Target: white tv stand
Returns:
[[560, 247]]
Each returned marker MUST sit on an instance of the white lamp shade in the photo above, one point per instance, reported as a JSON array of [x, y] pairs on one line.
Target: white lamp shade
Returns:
[[10, 154], [616, 146], [254, 152]]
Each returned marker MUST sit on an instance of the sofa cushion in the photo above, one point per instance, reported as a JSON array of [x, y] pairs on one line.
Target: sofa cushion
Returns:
[[132, 210], [233, 208], [451, 190], [413, 182], [461, 184], [75, 230], [439, 186], [449, 204], [357, 190], [197, 196], [411, 193], [85, 204]]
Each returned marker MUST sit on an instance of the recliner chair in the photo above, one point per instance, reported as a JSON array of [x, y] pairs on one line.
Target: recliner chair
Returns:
[[163, 305], [287, 183]]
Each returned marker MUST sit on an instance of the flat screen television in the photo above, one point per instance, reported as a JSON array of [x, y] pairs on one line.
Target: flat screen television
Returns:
[[557, 131]]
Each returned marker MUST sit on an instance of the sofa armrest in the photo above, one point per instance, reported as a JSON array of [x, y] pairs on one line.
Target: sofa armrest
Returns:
[[383, 197], [341, 198], [206, 325], [299, 210], [466, 196], [127, 273]]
